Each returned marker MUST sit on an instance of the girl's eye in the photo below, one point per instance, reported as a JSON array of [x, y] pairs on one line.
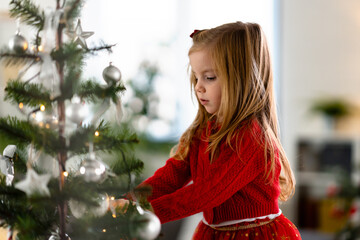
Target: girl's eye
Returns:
[[210, 78]]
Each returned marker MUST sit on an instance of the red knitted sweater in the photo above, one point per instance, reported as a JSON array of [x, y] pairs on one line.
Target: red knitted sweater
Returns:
[[230, 188]]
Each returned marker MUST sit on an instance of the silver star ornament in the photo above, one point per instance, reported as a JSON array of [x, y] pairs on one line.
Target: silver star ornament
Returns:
[[79, 36], [34, 183]]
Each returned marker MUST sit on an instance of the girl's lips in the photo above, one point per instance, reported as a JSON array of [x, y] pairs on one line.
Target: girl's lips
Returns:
[[203, 101]]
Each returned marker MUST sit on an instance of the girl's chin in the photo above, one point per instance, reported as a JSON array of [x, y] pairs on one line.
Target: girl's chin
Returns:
[[210, 111]]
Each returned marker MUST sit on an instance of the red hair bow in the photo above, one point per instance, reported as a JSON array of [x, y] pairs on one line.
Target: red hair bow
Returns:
[[194, 32]]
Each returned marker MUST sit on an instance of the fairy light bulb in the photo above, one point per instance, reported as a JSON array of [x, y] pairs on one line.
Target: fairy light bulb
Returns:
[[42, 108], [21, 105], [97, 133]]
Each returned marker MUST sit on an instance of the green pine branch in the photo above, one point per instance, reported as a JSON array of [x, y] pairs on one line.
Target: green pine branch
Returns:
[[28, 12], [109, 139], [16, 132], [72, 12], [80, 138], [114, 138], [92, 91], [69, 52], [132, 164], [12, 205], [21, 133], [102, 46], [10, 58], [30, 94], [72, 55], [29, 216]]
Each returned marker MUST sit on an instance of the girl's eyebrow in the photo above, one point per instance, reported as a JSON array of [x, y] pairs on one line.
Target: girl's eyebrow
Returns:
[[205, 71]]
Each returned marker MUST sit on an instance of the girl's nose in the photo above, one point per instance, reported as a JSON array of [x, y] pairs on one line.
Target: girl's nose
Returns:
[[199, 87]]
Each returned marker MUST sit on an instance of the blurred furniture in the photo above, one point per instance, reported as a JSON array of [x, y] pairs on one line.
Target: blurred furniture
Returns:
[[318, 160]]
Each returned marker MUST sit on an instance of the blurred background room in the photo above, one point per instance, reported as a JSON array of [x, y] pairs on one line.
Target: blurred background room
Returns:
[[315, 46]]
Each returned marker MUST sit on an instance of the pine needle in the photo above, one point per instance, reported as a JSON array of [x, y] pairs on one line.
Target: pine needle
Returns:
[[28, 12], [30, 94]]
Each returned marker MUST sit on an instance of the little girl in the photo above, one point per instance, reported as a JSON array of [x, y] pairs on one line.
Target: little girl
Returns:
[[229, 164]]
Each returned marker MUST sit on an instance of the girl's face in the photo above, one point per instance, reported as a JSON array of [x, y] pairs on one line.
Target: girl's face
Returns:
[[207, 88]]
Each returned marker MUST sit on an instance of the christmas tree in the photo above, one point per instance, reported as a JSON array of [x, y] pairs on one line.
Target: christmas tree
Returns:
[[62, 123]]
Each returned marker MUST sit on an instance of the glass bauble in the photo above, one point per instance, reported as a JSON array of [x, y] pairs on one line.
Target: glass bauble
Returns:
[[145, 226], [111, 74], [18, 43], [80, 210], [93, 170], [77, 112]]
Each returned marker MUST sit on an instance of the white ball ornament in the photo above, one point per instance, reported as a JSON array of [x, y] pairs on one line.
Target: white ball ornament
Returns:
[[80, 210], [145, 226], [77, 111], [92, 170], [18, 43], [111, 74]]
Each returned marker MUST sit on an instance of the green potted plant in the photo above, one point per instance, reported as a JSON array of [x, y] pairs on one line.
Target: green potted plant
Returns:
[[332, 110]]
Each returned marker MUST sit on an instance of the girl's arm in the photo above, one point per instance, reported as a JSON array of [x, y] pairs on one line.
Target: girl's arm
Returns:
[[224, 179], [174, 175]]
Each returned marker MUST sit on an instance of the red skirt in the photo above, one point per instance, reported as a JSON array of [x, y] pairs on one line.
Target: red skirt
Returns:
[[279, 228]]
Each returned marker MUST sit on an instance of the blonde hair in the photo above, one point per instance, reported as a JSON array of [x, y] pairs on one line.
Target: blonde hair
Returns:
[[241, 59]]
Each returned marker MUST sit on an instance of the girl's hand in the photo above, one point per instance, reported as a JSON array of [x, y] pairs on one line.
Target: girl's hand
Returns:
[[119, 206]]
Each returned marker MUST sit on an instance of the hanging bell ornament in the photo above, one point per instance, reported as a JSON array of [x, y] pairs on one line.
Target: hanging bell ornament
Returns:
[[145, 226], [18, 43], [111, 74]]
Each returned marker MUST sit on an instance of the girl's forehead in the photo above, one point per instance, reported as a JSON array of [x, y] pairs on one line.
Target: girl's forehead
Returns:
[[201, 60]]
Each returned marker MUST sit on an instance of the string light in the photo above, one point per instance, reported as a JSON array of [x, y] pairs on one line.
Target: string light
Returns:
[[112, 198], [65, 174], [21, 105], [104, 230], [114, 215], [42, 108], [97, 133]]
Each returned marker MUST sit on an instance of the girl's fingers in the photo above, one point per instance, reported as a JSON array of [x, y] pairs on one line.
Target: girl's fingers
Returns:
[[118, 205]]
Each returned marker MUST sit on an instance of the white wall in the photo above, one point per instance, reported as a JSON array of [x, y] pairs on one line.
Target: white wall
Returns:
[[320, 56]]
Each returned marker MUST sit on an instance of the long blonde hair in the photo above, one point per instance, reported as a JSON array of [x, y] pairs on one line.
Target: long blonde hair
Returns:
[[241, 60]]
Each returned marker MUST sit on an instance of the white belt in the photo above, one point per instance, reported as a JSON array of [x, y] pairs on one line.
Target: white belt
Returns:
[[232, 222]]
